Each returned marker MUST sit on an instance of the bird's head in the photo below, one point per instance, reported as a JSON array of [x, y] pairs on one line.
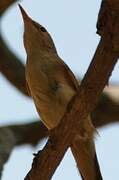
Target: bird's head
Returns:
[[35, 35]]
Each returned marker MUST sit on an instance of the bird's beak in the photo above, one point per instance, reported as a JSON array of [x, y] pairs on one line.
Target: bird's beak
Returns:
[[26, 18]]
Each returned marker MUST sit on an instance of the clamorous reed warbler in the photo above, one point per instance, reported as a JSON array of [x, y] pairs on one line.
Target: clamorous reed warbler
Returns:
[[52, 85]]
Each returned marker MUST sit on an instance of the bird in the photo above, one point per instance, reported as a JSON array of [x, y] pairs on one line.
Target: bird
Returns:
[[52, 85]]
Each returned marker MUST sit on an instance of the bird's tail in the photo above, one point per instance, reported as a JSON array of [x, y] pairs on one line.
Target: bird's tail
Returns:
[[85, 155]]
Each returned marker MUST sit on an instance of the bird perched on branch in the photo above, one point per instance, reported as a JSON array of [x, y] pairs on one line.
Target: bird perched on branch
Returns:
[[52, 85]]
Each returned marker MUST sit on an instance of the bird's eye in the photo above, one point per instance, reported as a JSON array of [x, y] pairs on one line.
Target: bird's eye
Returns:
[[39, 27], [43, 29]]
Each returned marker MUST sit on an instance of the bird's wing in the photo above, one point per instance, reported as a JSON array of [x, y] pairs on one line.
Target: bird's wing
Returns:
[[69, 75]]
